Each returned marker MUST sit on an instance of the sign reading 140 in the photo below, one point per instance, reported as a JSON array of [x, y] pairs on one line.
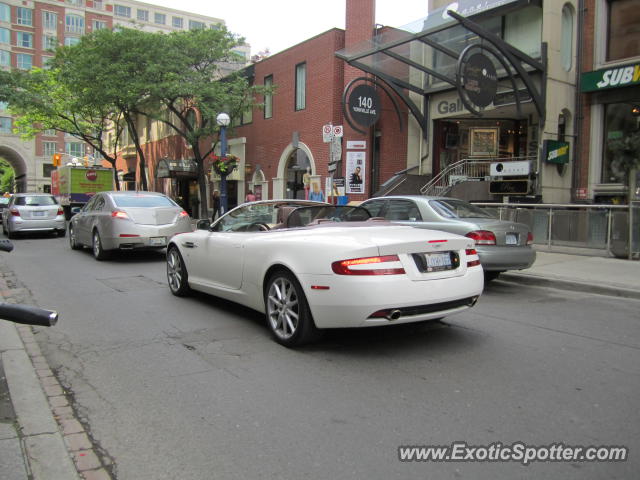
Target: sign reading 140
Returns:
[[364, 105]]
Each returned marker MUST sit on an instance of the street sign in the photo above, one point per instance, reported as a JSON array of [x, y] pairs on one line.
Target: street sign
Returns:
[[327, 133], [336, 149], [332, 167], [338, 131], [356, 144]]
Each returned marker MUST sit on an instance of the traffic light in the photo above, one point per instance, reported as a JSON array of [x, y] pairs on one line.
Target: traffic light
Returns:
[[57, 159]]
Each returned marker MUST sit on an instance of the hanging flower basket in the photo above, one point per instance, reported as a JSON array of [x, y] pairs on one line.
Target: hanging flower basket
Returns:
[[224, 165]]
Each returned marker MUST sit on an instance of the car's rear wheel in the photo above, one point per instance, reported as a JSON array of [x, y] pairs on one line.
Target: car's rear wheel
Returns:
[[62, 232], [287, 311], [73, 241], [98, 250], [489, 276], [177, 275]]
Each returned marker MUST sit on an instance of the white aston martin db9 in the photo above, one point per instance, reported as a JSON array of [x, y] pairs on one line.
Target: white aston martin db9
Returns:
[[310, 266]]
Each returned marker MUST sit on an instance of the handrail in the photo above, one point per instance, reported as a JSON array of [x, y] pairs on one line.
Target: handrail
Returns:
[[463, 167], [551, 205]]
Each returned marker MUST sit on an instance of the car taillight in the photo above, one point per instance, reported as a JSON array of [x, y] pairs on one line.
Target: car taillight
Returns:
[[369, 266], [482, 237], [529, 238], [60, 211], [184, 214], [14, 212], [472, 263], [119, 214]]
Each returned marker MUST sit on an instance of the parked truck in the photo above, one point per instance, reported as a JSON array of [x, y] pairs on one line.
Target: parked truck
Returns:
[[74, 185]]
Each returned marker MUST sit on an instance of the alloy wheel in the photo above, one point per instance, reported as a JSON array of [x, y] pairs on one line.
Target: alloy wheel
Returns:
[[283, 308]]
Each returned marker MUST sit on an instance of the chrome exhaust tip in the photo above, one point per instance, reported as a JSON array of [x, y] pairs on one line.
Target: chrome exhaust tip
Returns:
[[393, 315]]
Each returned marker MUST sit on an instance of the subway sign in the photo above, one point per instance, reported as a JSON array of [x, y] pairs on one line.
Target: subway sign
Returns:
[[622, 76], [555, 151]]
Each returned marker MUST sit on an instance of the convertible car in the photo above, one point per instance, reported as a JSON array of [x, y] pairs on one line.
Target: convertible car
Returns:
[[310, 266]]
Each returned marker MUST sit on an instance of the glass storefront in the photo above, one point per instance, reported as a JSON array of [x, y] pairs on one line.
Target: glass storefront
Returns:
[[621, 139]]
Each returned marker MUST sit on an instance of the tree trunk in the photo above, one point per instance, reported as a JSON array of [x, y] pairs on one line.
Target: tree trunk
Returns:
[[141, 158]]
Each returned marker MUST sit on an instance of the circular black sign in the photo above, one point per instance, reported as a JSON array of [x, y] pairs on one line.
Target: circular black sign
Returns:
[[480, 80], [364, 105]]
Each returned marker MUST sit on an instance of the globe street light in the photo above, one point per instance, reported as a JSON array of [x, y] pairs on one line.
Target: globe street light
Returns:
[[223, 121]]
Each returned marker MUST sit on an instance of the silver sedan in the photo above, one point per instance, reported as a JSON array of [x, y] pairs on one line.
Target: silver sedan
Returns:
[[33, 212], [501, 244], [127, 220]]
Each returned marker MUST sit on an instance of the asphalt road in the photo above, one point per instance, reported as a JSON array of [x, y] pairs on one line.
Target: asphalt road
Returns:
[[195, 388]]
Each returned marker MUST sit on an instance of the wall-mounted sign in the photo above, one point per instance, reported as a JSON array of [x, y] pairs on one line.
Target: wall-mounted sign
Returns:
[[364, 105], [356, 144], [555, 151], [479, 79], [622, 76]]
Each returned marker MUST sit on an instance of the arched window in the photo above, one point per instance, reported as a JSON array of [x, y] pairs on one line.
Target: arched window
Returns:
[[566, 41]]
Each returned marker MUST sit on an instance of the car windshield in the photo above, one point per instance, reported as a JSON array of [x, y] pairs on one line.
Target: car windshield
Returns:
[[36, 201], [143, 201], [303, 216], [4, 201], [452, 208]]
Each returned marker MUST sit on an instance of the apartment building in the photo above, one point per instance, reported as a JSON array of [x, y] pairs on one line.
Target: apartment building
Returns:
[[29, 30]]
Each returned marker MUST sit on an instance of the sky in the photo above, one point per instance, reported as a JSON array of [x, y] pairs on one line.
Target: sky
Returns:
[[280, 24]]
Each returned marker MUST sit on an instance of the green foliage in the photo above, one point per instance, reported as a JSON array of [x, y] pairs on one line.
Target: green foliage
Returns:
[[6, 176], [626, 151]]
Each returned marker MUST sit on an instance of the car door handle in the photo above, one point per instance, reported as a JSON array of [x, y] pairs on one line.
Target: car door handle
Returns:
[[189, 245]]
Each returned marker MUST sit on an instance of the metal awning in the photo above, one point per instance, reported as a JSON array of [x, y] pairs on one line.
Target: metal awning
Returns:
[[173, 168], [425, 56]]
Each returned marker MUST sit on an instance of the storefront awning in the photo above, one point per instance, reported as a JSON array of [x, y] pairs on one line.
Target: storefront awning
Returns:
[[436, 52], [172, 168]]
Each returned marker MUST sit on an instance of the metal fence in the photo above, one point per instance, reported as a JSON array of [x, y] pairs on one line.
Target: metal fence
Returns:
[[601, 227]]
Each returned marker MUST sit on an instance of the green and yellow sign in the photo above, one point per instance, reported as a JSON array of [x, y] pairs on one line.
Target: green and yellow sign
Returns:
[[555, 151], [622, 76]]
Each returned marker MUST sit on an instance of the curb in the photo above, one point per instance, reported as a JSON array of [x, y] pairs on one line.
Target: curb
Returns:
[[572, 285]]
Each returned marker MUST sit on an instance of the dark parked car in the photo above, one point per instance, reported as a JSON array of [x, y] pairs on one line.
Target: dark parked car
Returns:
[[502, 245]]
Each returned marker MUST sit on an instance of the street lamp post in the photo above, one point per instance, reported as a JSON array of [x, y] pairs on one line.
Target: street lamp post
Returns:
[[223, 120]]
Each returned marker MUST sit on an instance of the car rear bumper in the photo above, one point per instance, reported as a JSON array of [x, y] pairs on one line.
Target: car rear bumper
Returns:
[[351, 302], [17, 224], [147, 237], [506, 258]]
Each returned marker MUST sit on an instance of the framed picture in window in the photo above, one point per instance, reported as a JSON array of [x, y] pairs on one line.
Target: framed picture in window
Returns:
[[483, 142]]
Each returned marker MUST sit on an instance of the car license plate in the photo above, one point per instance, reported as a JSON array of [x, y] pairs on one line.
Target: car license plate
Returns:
[[512, 239], [39, 213], [438, 261], [158, 241]]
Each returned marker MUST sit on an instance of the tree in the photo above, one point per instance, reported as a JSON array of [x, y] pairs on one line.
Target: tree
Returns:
[[190, 87], [42, 100]]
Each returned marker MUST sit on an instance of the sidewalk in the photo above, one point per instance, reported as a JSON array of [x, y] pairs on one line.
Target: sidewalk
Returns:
[[584, 273], [41, 440]]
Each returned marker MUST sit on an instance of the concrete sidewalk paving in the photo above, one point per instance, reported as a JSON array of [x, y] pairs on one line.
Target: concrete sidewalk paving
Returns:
[[586, 273], [45, 442]]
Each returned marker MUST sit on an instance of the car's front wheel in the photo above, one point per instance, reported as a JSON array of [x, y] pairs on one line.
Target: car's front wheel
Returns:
[[287, 311], [177, 273], [99, 252]]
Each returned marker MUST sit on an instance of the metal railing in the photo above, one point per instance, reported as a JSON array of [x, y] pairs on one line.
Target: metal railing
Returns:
[[462, 170], [610, 228]]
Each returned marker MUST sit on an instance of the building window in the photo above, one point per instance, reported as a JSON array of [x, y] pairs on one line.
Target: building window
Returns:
[[98, 4], [50, 132], [46, 62], [75, 3], [47, 168], [621, 130], [74, 24], [24, 39], [5, 13], [75, 149], [122, 11], [623, 31], [268, 98], [49, 148], [301, 86], [24, 16], [5, 36], [566, 41], [160, 18], [5, 124], [177, 22], [5, 58], [195, 25], [99, 25], [24, 61], [3, 106], [49, 42], [70, 41], [49, 21], [143, 15]]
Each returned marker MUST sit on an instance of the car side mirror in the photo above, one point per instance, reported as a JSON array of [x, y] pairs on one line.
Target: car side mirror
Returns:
[[203, 224]]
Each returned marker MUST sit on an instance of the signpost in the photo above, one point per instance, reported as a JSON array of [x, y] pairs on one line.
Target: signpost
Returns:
[[332, 134]]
